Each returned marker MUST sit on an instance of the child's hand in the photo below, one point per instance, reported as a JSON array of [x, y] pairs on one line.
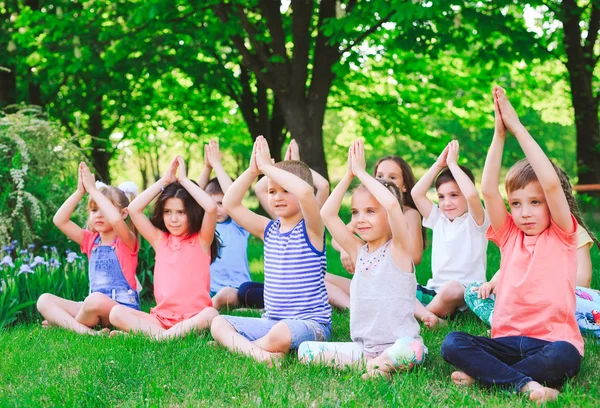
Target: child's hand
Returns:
[[452, 155], [349, 172], [182, 176], [80, 186], [171, 174], [292, 152], [485, 290], [206, 161], [212, 154], [87, 178], [508, 113], [262, 153], [253, 167], [358, 157], [441, 160], [499, 127]]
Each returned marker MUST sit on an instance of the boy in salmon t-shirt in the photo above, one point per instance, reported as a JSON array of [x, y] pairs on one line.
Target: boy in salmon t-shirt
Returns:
[[535, 338]]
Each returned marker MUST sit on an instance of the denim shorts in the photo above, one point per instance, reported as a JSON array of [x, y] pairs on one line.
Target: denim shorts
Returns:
[[123, 296], [253, 328]]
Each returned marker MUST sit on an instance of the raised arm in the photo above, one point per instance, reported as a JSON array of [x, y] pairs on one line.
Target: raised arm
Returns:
[[419, 191], [340, 233], [137, 206], [401, 239], [114, 217], [544, 171], [296, 186], [232, 201], [209, 221], [215, 158], [206, 170], [465, 184], [62, 218], [494, 203]]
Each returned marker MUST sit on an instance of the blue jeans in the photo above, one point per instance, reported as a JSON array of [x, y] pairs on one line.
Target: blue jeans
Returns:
[[511, 362]]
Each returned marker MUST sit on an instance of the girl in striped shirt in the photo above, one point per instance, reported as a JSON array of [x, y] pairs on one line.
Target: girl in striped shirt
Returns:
[[296, 306]]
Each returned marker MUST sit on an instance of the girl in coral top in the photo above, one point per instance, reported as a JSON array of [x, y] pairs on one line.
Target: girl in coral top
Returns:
[[182, 232]]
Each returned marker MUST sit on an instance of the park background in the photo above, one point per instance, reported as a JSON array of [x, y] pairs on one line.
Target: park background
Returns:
[[125, 85]]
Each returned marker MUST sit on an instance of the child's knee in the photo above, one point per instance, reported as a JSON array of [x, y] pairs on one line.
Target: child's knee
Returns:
[[95, 302], [452, 291], [279, 338], [406, 352], [44, 302], [116, 315], [218, 325], [451, 344], [562, 356]]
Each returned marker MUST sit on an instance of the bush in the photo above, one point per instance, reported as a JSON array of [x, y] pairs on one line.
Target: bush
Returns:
[[37, 173], [25, 274]]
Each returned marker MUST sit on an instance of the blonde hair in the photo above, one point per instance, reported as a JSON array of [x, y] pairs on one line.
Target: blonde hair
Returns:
[[521, 174], [297, 168], [117, 198]]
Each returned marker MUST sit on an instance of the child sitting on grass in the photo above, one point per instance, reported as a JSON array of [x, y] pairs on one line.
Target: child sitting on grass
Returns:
[[459, 245], [182, 232], [385, 335], [112, 248], [295, 297], [230, 270], [535, 339]]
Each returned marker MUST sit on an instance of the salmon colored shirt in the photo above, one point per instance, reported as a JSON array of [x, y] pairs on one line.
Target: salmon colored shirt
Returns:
[[128, 259], [181, 278], [536, 289]]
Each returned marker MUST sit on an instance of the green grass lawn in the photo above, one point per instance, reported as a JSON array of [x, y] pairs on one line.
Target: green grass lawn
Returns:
[[52, 367]]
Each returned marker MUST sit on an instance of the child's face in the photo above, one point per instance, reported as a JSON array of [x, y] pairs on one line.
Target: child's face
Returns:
[[452, 202], [369, 218], [221, 213], [175, 217], [390, 171], [529, 208], [97, 222], [283, 203]]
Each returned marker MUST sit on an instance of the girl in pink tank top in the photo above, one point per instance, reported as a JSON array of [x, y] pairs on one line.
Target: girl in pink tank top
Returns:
[[182, 232]]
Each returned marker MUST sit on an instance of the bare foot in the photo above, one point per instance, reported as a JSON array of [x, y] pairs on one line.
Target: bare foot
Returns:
[[376, 373], [431, 320], [461, 378], [272, 359], [115, 333], [543, 394], [45, 324]]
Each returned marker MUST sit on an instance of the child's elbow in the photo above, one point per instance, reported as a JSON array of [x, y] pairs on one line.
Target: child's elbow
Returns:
[[210, 208], [56, 220]]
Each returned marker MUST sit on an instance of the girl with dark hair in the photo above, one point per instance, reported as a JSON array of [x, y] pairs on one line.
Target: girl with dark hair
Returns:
[[182, 232], [395, 170]]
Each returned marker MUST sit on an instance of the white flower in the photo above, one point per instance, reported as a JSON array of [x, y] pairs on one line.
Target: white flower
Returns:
[[38, 260], [7, 260], [25, 269], [72, 256]]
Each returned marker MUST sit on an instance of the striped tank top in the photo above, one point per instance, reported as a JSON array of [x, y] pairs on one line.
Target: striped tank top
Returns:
[[294, 276]]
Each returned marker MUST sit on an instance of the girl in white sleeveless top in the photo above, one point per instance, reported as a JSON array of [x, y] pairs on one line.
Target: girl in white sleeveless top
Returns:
[[385, 335]]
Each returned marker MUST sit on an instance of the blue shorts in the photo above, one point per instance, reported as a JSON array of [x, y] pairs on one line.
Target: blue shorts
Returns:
[[123, 296], [253, 328]]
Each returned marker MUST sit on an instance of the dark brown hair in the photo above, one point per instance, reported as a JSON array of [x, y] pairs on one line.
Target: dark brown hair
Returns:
[[390, 186], [213, 187], [409, 181], [194, 211], [446, 176]]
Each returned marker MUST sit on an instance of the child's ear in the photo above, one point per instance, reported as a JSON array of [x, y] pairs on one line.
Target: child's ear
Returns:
[[124, 213]]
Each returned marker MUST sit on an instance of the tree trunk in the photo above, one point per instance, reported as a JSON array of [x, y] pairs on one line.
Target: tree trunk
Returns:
[[580, 64], [100, 143], [8, 87]]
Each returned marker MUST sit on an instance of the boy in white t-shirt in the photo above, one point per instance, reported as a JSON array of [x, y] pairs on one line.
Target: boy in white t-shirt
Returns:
[[459, 224]]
